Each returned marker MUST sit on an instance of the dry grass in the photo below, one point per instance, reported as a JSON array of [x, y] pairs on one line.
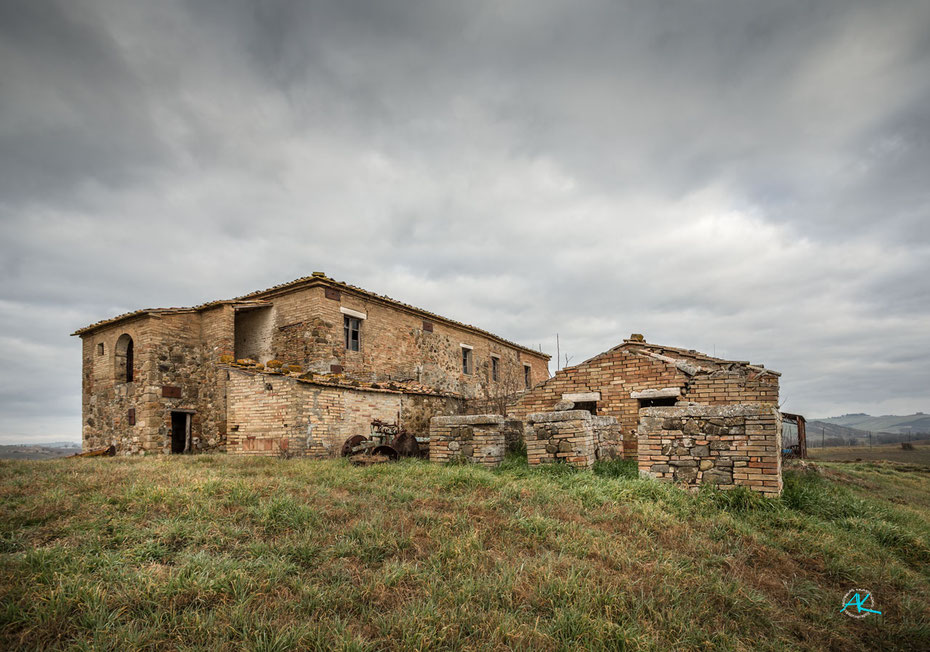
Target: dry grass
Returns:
[[889, 452], [220, 553]]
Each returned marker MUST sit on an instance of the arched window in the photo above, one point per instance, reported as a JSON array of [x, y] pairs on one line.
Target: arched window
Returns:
[[123, 355]]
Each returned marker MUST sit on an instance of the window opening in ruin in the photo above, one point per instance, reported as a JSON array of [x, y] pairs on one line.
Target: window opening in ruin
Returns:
[[352, 327], [253, 332], [180, 432], [495, 369], [100, 349], [466, 361], [662, 401], [590, 406], [527, 380], [123, 358]]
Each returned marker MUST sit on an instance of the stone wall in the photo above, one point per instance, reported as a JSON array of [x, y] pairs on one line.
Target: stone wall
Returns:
[[561, 437], [476, 438], [608, 438], [168, 375], [728, 446], [107, 399], [179, 356], [396, 344], [418, 409]]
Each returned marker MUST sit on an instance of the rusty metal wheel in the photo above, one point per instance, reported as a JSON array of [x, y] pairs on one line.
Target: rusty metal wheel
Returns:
[[406, 445], [387, 451], [348, 448]]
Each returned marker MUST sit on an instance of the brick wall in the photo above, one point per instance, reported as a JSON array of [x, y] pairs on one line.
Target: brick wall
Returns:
[[264, 408], [614, 376], [728, 446], [726, 387]]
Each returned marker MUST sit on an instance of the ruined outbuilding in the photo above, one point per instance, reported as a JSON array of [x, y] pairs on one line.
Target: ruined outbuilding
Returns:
[[685, 416], [299, 366]]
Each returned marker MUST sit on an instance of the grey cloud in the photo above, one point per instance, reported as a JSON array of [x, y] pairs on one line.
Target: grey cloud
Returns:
[[745, 178], [72, 110]]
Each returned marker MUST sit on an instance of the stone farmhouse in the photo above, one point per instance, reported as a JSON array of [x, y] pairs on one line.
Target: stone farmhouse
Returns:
[[312, 362], [305, 365]]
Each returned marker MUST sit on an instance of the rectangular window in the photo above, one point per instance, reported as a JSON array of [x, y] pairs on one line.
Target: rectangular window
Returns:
[[466, 361], [527, 379], [352, 327], [100, 349], [495, 368], [661, 401]]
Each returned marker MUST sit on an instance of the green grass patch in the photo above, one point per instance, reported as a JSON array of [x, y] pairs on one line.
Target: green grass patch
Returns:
[[219, 553]]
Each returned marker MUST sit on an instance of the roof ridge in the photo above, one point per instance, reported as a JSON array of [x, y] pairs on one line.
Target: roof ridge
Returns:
[[317, 277]]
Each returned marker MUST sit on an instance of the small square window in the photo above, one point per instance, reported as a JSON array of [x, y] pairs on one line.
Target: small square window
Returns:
[[100, 349], [466, 361], [527, 376], [495, 368], [352, 326]]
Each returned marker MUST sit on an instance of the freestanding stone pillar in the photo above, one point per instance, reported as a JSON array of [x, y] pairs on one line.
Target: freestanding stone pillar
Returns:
[[478, 438], [566, 437]]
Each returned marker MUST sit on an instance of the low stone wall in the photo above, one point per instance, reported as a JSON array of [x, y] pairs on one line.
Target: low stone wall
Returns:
[[728, 446], [513, 433], [477, 438], [560, 437]]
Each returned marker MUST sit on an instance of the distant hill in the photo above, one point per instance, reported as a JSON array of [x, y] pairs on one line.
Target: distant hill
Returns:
[[854, 429], [44, 451], [909, 424]]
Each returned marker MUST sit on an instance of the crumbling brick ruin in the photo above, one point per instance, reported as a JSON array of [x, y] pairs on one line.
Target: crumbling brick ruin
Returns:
[[308, 362], [637, 380]]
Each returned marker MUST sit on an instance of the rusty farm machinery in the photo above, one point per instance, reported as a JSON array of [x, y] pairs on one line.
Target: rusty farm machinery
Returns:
[[386, 442]]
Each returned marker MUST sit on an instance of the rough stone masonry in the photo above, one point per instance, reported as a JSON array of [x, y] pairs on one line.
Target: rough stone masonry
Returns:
[[308, 363], [727, 446]]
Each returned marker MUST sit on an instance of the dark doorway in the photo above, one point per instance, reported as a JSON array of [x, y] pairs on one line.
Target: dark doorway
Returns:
[[590, 406], [179, 427], [664, 401]]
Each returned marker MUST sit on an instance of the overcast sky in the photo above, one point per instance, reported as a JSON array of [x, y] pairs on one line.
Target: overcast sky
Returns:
[[750, 179]]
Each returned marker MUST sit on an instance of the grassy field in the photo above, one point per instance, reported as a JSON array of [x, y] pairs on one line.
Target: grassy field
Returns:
[[210, 552], [891, 452]]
